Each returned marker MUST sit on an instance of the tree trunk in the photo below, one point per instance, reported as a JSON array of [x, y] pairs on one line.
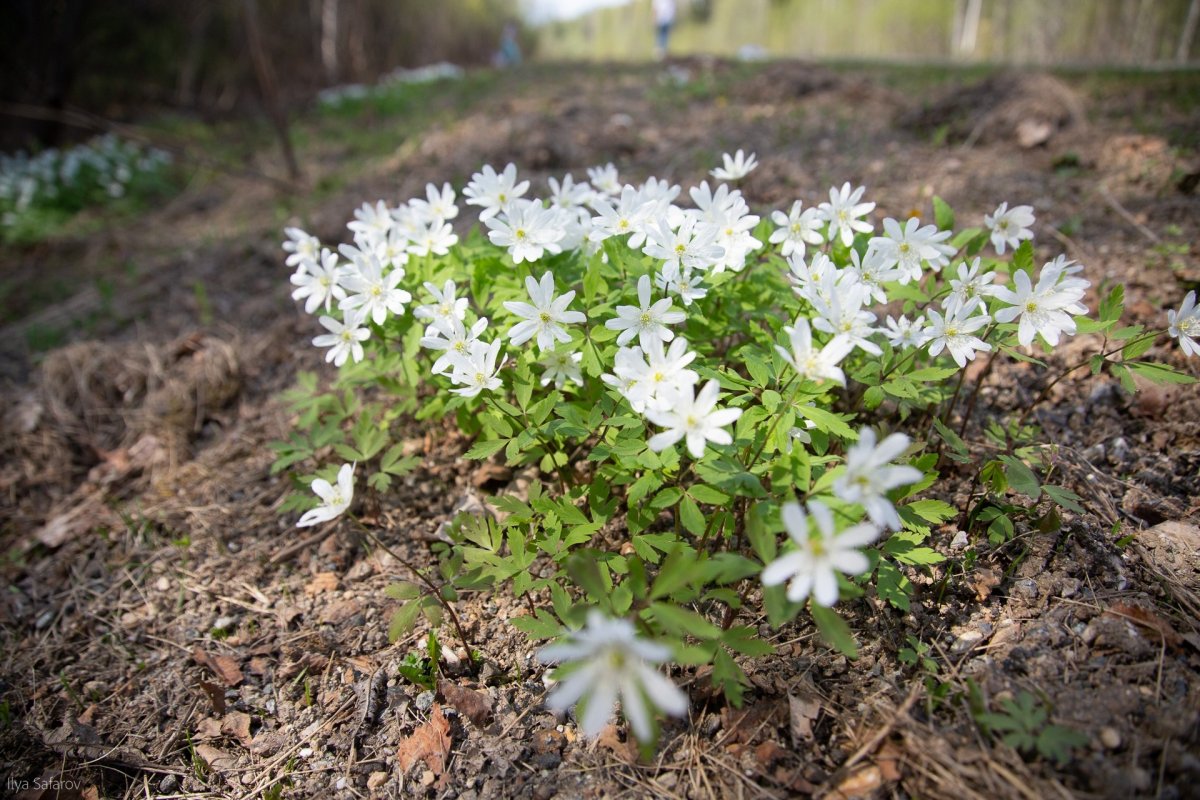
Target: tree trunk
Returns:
[[267, 86]]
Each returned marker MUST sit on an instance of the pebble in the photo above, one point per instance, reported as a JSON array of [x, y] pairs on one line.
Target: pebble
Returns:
[[1110, 737], [376, 779], [1120, 450], [1026, 588], [960, 541], [162, 584], [966, 641], [427, 778], [424, 701]]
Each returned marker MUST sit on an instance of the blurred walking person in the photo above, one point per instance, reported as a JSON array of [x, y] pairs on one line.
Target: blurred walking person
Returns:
[[664, 19]]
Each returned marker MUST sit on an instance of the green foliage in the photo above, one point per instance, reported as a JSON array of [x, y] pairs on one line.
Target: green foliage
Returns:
[[674, 542], [1022, 723]]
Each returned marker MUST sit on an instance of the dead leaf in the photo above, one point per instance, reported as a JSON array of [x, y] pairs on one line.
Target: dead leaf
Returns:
[[609, 739], [237, 725], [744, 725], [216, 758], [69, 524], [768, 752], [321, 582], [1146, 618], [858, 784], [223, 667], [888, 759], [216, 696], [982, 581], [429, 743], [474, 705], [208, 728], [803, 710]]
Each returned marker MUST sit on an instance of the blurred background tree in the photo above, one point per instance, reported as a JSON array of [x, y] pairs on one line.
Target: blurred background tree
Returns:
[[112, 57]]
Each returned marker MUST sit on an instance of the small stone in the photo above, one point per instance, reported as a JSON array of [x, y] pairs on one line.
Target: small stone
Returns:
[[966, 641], [162, 585], [548, 740], [376, 779], [424, 701], [224, 622], [168, 785], [340, 785], [1026, 589], [427, 778], [1119, 450], [1110, 737], [960, 541]]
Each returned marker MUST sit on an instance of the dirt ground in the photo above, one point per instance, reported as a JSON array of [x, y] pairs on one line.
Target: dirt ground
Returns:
[[167, 633]]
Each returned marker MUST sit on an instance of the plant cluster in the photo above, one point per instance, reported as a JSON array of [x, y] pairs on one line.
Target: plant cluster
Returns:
[[693, 381], [61, 182]]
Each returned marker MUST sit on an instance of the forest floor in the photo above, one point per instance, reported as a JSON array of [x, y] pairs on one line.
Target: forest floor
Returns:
[[166, 632]]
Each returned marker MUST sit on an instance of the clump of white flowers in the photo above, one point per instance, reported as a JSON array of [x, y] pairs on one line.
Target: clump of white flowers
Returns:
[[673, 349]]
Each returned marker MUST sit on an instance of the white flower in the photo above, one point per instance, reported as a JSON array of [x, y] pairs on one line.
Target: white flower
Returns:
[[628, 365], [450, 335], [692, 246], [300, 247], [645, 321], [344, 339], [1044, 309], [694, 416], [955, 331], [869, 476], [662, 375], [843, 211], [904, 333], [435, 238], [796, 229], [842, 314], [872, 272], [438, 205], [736, 167], [444, 306], [545, 317], [614, 665], [561, 366], [334, 499], [1009, 226], [970, 284], [492, 192], [605, 179], [629, 217], [569, 195], [683, 283], [528, 229], [810, 568], [813, 363], [320, 283], [1184, 325], [906, 248], [372, 220], [375, 294], [477, 371]]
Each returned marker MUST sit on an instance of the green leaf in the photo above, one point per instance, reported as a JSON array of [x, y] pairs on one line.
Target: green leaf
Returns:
[[1023, 256], [481, 450], [1158, 373], [402, 590], [827, 421], [745, 640], [1136, 348], [540, 626], [951, 438], [932, 374], [873, 397], [682, 622], [691, 516], [707, 494], [1064, 497], [403, 620], [1112, 306], [667, 497], [1021, 477], [892, 585], [675, 573], [943, 215], [729, 677], [834, 630], [932, 510]]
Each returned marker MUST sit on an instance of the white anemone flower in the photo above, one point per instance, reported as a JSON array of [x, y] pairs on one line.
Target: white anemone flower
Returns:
[[955, 331], [444, 306], [334, 499], [647, 320], [344, 339], [736, 167], [1184, 325], [477, 372], [843, 212], [545, 317], [494, 192], [811, 362], [528, 229], [869, 476], [810, 568], [694, 417], [612, 663], [1009, 226], [321, 283], [561, 366], [797, 229]]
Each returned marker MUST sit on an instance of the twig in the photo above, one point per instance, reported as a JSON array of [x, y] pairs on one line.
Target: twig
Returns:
[[1116, 206], [303, 544]]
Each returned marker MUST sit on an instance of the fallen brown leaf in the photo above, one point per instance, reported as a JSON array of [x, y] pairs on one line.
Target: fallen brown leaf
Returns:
[[803, 709], [223, 667], [429, 743], [237, 725], [609, 739], [321, 582], [982, 581], [858, 784], [474, 705], [216, 696], [1146, 618], [216, 758]]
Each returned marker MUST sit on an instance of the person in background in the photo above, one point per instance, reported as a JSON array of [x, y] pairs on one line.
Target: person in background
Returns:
[[664, 18], [509, 54]]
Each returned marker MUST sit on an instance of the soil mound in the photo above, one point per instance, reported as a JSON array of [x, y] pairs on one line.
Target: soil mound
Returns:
[[1026, 109]]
